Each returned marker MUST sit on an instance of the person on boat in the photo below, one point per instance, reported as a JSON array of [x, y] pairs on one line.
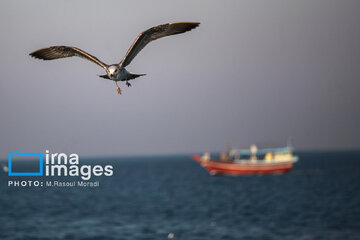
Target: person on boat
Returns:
[[237, 156], [253, 151], [223, 157], [269, 157], [228, 151], [206, 156]]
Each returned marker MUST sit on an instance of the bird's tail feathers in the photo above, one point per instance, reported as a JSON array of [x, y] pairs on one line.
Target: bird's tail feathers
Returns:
[[128, 77]]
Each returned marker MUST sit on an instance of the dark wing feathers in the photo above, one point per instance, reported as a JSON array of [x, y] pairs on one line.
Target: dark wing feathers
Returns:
[[104, 76], [56, 52], [141, 41], [154, 33]]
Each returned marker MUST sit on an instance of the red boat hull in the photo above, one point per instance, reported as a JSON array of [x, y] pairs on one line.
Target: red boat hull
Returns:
[[243, 168]]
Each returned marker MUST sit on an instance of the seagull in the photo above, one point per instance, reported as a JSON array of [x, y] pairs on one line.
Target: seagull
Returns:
[[117, 72]]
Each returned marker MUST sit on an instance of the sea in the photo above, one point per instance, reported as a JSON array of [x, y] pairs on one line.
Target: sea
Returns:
[[173, 197]]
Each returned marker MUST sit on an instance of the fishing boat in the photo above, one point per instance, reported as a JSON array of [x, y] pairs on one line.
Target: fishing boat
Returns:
[[249, 161]]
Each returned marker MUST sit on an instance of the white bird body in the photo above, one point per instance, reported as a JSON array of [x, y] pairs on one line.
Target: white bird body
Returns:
[[116, 73]]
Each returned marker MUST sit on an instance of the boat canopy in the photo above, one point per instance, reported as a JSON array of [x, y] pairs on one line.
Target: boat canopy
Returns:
[[243, 152]]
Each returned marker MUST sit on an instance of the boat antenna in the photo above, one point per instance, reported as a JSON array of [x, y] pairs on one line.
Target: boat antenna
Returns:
[[288, 142], [228, 146]]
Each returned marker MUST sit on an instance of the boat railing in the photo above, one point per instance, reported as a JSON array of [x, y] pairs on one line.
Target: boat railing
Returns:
[[243, 152]]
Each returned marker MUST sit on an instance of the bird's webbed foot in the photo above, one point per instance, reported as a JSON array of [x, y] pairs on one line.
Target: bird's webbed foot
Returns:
[[118, 90], [128, 84]]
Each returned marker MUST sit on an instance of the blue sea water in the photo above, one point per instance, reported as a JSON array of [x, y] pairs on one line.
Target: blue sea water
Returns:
[[150, 197]]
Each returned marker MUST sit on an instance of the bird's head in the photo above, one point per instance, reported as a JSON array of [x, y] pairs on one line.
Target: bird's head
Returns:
[[113, 72]]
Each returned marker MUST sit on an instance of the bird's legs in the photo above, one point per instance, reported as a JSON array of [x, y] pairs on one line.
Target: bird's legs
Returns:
[[128, 84], [118, 88]]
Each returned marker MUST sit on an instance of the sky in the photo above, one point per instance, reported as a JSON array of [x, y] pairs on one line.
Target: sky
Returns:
[[253, 72]]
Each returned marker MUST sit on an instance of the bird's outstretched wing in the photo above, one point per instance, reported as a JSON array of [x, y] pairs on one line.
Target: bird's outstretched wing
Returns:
[[154, 33], [56, 52]]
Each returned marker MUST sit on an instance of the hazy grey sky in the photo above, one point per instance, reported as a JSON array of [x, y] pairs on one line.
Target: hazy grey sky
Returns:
[[253, 72]]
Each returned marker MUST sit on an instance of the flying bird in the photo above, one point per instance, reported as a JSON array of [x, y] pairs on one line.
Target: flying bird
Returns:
[[118, 72]]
